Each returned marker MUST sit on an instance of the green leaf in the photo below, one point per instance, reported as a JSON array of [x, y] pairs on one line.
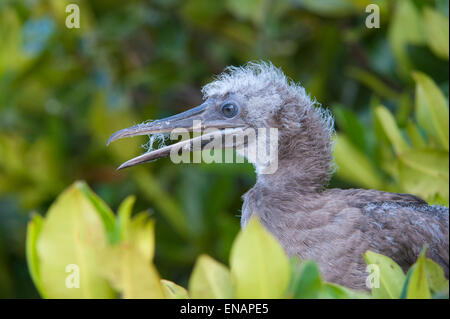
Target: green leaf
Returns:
[[405, 14], [128, 264], [210, 279], [425, 173], [333, 291], [349, 123], [202, 13], [123, 218], [131, 273], [153, 192], [415, 136], [308, 283], [250, 9], [373, 83], [173, 291], [436, 277], [432, 109], [418, 283], [259, 266], [12, 56], [404, 109], [142, 235], [70, 238], [387, 122], [391, 276], [355, 166], [332, 8], [33, 230], [103, 210], [138, 232], [436, 28], [404, 293]]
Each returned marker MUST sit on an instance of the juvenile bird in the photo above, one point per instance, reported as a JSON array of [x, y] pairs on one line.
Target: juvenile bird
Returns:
[[334, 227]]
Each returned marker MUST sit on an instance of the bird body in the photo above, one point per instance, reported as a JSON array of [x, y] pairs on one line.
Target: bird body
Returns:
[[334, 227]]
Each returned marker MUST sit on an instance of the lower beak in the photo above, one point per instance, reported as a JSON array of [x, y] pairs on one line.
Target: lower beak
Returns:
[[183, 120]]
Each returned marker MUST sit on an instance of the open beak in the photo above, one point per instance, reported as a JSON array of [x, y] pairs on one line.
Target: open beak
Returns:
[[203, 113]]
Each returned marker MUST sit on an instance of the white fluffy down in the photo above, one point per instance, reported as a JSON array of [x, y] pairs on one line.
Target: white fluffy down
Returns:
[[254, 76], [263, 83]]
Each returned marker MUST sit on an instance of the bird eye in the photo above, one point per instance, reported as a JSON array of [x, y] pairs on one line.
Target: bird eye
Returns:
[[229, 109]]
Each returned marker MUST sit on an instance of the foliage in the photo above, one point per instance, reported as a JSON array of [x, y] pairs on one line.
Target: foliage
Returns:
[[411, 162], [118, 261], [409, 151], [64, 91]]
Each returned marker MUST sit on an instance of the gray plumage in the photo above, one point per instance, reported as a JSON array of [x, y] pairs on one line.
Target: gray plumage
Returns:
[[334, 227]]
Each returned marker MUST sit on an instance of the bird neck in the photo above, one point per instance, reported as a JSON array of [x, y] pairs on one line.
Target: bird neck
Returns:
[[304, 169], [305, 156], [304, 165]]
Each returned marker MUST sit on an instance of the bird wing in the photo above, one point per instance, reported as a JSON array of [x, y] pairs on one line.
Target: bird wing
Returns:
[[400, 225]]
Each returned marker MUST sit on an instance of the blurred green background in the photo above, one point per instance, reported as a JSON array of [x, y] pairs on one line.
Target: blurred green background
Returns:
[[63, 92]]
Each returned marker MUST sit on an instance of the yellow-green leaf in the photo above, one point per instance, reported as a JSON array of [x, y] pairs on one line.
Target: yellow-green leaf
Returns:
[[173, 291], [131, 273], [250, 9], [333, 291], [432, 109], [123, 218], [142, 235], [259, 266], [354, 166], [418, 283], [405, 28], [210, 279], [306, 281], [436, 277], [436, 27], [103, 210], [425, 173], [165, 203], [128, 265], [138, 232], [67, 248], [332, 8], [33, 230], [390, 128], [415, 136], [374, 83], [391, 276]]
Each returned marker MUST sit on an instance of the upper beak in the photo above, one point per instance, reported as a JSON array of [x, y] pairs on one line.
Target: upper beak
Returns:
[[183, 120]]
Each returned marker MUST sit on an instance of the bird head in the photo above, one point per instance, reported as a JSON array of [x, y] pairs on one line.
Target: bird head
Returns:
[[251, 97]]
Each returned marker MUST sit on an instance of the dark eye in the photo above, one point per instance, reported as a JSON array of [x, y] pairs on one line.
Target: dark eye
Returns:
[[229, 109]]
